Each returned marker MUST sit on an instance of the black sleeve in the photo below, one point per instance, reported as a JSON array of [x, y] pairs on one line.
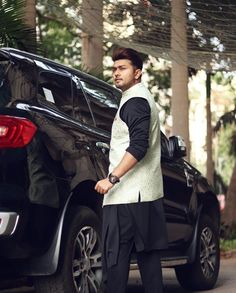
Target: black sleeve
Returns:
[[136, 113]]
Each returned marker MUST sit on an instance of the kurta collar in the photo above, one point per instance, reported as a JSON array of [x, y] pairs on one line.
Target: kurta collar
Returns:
[[134, 88]]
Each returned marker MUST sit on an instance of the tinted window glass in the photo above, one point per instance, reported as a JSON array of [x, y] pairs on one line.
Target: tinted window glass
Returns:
[[57, 90], [5, 93], [102, 103], [17, 81]]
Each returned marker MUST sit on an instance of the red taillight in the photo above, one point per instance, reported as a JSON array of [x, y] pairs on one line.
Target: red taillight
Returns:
[[15, 132]]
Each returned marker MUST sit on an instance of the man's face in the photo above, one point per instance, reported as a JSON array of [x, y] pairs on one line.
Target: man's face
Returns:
[[125, 74]]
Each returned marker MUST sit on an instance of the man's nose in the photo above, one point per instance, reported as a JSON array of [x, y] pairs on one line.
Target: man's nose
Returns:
[[116, 73]]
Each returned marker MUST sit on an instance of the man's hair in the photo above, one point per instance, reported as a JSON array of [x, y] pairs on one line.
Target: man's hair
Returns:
[[130, 54]]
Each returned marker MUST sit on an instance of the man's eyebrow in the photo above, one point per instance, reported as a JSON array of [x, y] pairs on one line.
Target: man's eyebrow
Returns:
[[118, 66]]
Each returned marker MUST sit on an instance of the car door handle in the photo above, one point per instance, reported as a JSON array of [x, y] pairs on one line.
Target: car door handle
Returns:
[[103, 146]]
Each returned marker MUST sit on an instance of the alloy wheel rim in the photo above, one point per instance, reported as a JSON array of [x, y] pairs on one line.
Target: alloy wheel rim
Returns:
[[87, 263], [208, 252]]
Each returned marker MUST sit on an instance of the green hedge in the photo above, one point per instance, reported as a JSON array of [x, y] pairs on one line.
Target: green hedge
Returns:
[[227, 244]]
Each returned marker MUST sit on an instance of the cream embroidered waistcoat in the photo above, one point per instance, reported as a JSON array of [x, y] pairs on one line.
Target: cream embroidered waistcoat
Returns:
[[145, 178]]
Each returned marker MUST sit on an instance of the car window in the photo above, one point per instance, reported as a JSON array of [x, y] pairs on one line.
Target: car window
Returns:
[[102, 103], [17, 81], [5, 93], [56, 89]]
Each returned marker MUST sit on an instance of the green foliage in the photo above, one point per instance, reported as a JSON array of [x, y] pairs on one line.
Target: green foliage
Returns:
[[59, 44], [225, 156], [59, 35], [159, 77], [14, 32], [223, 78], [159, 82], [228, 237], [226, 244], [226, 132], [232, 150]]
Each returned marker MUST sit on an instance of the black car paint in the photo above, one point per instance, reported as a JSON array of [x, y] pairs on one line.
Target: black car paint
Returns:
[[75, 159]]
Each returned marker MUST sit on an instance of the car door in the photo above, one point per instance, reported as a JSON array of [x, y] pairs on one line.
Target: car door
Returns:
[[68, 124], [178, 197], [103, 104]]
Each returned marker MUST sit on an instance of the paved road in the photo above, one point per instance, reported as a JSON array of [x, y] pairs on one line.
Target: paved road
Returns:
[[226, 282]]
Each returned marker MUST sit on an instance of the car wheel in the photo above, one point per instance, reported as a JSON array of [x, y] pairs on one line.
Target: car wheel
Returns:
[[203, 273], [80, 266]]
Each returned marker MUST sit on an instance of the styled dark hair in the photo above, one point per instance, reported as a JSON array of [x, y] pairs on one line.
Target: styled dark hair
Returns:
[[130, 54]]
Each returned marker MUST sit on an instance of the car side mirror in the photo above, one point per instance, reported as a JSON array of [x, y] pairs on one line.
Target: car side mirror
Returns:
[[177, 147]]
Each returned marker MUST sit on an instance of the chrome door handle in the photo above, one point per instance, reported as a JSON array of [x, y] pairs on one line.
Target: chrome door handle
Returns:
[[103, 146]]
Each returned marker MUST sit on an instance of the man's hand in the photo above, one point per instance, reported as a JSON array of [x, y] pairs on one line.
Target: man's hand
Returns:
[[126, 163], [103, 186]]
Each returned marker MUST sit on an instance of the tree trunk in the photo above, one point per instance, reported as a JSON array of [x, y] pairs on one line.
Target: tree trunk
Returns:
[[30, 13], [179, 72], [30, 19], [92, 36], [229, 213], [209, 137]]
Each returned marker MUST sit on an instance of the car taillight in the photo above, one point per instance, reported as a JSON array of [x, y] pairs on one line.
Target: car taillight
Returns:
[[15, 132]]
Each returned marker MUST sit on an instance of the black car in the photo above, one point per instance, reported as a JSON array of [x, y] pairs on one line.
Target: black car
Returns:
[[55, 125]]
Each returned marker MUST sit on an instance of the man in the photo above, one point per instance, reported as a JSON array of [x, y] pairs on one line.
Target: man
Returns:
[[133, 212]]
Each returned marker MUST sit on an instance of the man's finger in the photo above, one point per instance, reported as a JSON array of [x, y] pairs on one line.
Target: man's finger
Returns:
[[96, 186]]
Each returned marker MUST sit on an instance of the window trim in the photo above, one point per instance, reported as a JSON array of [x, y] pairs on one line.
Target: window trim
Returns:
[[88, 100]]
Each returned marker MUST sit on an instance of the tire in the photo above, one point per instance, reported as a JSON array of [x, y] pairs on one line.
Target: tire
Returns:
[[203, 273], [80, 266]]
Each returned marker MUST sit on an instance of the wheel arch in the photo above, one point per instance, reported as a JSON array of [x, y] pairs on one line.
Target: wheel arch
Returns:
[[83, 195], [208, 205]]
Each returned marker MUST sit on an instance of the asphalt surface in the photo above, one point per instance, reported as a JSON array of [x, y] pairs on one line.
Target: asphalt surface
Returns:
[[226, 282]]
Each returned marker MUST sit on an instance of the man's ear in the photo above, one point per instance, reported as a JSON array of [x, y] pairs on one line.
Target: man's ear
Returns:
[[138, 73]]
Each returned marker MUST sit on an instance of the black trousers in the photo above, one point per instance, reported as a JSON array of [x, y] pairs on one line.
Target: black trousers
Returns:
[[148, 260]]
